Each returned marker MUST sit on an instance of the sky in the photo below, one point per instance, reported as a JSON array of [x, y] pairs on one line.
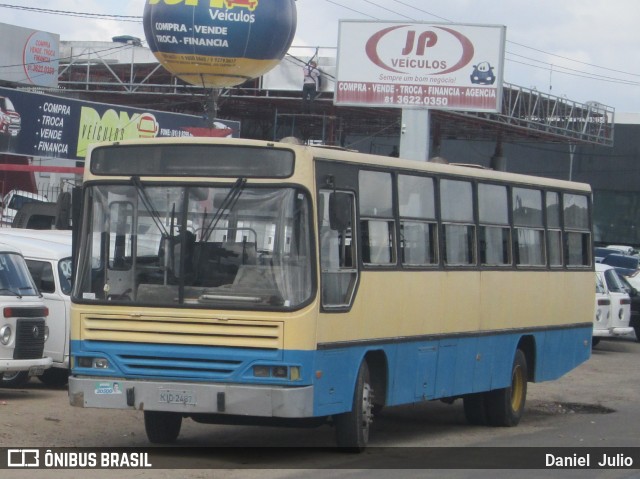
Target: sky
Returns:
[[582, 50]]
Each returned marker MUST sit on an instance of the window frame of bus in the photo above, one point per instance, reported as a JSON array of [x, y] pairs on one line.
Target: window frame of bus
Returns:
[[534, 224], [452, 220], [139, 159], [376, 199], [583, 230], [421, 213], [491, 218], [554, 214]]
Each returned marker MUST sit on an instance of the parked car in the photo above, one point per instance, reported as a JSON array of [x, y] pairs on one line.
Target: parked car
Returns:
[[601, 252], [10, 121], [623, 248], [23, 327], [16, 199], [634, 294], [48, 257], [617, 323], [624, 264], [603, 308]]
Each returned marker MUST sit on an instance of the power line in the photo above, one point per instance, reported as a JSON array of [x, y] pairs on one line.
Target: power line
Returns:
[[353, 10], [570, 71], [551, 66], [100, 16]]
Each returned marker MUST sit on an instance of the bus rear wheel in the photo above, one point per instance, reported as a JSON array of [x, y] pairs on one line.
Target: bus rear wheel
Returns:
[[353, 427], [506, 406], [162, 427], [475, 409]]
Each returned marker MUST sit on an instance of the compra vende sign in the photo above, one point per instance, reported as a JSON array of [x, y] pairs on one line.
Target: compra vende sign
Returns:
[[219, 43], [420, 65]]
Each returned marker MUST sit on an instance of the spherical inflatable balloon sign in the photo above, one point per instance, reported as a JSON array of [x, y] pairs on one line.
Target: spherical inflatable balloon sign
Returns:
[[219, 43]]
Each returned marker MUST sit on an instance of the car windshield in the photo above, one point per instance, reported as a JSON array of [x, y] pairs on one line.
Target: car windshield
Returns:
[[204, 246], [614, 283], [15, 279], [621, 261]]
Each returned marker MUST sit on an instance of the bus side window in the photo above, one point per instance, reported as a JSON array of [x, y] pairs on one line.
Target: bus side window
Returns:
[[337, 248], [377, 223]]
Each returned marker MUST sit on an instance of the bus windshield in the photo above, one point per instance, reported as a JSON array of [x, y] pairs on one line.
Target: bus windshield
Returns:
[[235, 247]]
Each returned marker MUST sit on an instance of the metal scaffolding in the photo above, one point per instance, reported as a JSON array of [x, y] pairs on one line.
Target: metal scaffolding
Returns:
[[128, 74]]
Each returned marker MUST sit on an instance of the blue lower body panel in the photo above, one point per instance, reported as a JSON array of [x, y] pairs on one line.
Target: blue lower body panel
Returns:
[[413, 370]]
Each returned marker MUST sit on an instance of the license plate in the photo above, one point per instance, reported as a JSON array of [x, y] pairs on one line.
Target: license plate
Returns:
[[36, 371], [172, 396]]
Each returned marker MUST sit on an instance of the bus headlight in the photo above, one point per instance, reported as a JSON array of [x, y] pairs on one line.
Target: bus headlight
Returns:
[[5, 334], [95, 363], [280, 372]]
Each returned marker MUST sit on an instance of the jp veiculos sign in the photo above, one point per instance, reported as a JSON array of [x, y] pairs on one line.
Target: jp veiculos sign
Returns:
[[457, 67]]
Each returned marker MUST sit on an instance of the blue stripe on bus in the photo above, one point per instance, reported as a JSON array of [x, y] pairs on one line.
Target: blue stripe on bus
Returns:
[[417, 370]]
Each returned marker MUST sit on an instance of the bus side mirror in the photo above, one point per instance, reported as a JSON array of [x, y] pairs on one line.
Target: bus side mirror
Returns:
[[340, 211]]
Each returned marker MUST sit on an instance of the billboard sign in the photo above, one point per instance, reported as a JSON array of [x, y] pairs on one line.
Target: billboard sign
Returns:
[[29, 56], [219, 43], [33, 124], [420, 65]]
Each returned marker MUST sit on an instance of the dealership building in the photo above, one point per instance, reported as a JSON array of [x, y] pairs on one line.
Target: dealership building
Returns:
[[534, 133]]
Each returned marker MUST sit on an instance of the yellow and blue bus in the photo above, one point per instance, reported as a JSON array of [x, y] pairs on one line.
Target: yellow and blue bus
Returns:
[[225, 280]]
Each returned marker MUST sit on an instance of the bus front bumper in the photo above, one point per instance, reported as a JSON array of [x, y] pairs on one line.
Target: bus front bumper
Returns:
[[192, 398]]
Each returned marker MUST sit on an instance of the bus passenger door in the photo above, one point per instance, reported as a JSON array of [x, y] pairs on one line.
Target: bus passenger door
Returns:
[[338, 259]]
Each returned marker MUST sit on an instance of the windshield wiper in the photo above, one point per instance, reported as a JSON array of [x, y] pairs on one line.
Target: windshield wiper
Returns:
[[155, 216], [18, 295], [227, 204]]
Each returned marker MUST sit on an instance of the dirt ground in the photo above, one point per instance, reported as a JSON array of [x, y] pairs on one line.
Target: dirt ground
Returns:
[[594, 405]]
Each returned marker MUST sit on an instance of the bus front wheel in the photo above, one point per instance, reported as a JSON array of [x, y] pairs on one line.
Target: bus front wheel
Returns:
[[162, 427], [352, 428], [506, 406]]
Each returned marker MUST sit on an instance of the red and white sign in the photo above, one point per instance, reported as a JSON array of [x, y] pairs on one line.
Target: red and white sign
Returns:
[[420, 65], [40, 59]]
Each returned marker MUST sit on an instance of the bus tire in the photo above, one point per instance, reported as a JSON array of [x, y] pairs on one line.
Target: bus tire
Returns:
[[14, 379], [353, 427], [506, 406], [475, 409], [162, 427]]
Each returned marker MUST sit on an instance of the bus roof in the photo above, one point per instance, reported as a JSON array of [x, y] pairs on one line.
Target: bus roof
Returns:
[[338, 154]]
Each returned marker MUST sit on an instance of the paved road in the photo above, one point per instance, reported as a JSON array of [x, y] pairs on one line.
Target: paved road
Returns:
[[595, 405]]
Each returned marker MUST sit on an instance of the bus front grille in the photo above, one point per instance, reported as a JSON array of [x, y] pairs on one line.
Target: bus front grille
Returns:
[[176, 364], [264, 335]]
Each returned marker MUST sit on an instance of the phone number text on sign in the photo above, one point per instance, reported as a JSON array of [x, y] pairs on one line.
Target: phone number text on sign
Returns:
[[426, 96]]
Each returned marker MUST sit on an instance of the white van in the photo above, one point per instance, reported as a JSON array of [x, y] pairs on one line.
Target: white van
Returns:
[[615, 321], [48, 257], [16, 199], [23, 328]]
